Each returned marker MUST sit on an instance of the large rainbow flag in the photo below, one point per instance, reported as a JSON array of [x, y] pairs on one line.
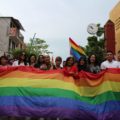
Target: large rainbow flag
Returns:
[[76, 50], [25, 91]]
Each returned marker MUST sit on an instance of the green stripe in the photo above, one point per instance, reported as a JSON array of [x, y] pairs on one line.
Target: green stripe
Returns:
[[55, 92]]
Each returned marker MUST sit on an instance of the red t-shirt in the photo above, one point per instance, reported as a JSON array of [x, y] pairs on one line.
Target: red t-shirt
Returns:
[[70, 71]]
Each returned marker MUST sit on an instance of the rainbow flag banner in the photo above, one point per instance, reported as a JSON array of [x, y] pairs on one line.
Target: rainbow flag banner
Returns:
[[26, 91], [76, 50]]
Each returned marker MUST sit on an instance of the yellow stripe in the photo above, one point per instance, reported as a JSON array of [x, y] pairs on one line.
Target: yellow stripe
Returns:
[[48, 83], [78, 49]]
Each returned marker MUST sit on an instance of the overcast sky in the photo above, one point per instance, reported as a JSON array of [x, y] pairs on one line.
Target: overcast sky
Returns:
[[57, 20]]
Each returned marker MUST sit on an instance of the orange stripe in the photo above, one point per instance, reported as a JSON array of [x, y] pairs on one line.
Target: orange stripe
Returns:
[[21, 74], [83, 81], [76, 47]]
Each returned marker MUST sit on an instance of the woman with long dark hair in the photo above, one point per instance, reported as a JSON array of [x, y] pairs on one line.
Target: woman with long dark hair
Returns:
[[32, 60], [70, 69], [22, 60], [82, 64], [93, 65], [40, 61]]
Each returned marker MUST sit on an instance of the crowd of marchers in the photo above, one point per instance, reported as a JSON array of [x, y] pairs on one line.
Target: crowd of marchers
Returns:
[[70, 66]]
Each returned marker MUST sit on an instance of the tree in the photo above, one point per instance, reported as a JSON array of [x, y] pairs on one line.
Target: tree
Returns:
[[16, 52], [96, 44], [38, 47]]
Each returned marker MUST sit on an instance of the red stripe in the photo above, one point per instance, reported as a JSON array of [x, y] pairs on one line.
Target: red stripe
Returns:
[[7, 69], [72, 42]]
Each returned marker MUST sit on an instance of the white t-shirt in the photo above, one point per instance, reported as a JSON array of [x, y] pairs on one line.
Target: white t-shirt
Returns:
[[106, 64], [15, 63], [119, 64]]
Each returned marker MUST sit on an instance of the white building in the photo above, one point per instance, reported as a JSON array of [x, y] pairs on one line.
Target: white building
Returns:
[[10, 36]]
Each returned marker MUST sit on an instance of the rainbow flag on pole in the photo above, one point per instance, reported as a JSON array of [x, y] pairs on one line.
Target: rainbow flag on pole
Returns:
[[76, 50], [25, 91]]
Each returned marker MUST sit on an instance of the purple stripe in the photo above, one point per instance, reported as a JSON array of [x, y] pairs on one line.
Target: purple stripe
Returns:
[[46, 112], [56, 112], [114, 115]]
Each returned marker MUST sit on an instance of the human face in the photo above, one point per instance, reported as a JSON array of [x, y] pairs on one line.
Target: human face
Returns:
[[64, 63], [118, 57], [22, 57], [4, 61], [82, 62], [70, 62], [47, 59], [41, 58], [32, 59], [109, 56], [58, 62], [92, 59]]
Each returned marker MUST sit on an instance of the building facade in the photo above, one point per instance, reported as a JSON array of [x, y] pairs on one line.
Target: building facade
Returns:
[[10, 35], [115, 18], [109, 35]]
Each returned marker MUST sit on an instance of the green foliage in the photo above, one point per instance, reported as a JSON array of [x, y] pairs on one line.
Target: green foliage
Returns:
[[38, 46], [96, 44], [16, 52], [100, 31]]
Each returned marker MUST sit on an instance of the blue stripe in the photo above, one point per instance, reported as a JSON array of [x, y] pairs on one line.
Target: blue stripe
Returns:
[[45, 102], [75, 54]]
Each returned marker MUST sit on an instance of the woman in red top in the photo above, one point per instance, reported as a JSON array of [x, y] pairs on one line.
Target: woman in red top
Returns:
[[70, 69]]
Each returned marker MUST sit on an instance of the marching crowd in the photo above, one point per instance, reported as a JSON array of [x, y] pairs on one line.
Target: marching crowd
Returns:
[[43, 62], [70, 66]]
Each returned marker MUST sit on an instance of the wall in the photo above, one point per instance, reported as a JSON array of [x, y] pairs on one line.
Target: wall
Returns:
[[115, 17], [4, 36]]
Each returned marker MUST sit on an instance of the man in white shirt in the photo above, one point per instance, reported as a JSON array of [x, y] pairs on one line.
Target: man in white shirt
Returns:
[[109, 62], [118, 58]]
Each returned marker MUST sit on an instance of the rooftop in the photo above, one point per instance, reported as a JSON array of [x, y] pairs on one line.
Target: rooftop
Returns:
[[16, 21]]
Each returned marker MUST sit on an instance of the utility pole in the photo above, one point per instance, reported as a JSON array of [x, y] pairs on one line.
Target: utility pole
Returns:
[[33, 39]]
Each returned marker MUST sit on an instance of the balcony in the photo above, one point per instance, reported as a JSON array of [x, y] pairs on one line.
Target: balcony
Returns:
[[15, 35]]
